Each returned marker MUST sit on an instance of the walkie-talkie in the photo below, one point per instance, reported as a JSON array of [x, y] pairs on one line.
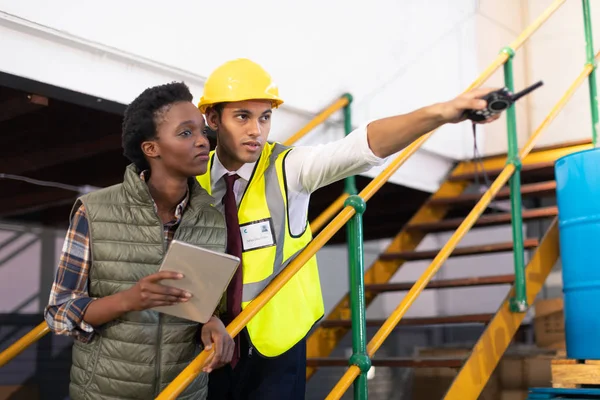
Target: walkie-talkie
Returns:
[[499, 101]]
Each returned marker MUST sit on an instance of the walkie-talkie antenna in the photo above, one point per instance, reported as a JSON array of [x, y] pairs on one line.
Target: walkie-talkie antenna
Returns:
[[525, 91]]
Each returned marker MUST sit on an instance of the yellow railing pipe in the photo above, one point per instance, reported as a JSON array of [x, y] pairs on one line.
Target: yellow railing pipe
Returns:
[[352, 372], [587, 70], [42, 329], [16, 348], [389, 325], [535, 25], [318, 120], [195, 367], [329, 213]]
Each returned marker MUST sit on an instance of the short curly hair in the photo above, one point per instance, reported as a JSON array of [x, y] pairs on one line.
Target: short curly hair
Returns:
[[143, 114]]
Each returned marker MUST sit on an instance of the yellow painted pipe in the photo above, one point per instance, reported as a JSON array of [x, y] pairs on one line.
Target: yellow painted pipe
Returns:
[[16, 348], [194, 368], [318, 120], [527, 147], [389, 325], [535, 25], [351, 374], [329, 213]]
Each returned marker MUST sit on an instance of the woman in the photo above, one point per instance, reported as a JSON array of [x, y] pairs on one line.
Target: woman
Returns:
[[107, 281]]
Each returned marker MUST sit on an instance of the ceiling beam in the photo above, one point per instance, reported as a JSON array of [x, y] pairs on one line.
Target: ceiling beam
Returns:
[[46, 158], [34, 201], [20, 105], [37, 199]]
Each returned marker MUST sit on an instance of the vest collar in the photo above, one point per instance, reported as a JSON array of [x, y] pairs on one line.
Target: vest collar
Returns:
[[139, 193]]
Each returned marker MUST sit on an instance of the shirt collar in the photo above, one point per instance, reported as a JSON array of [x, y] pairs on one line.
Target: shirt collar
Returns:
[[218, 170], [180, 207]]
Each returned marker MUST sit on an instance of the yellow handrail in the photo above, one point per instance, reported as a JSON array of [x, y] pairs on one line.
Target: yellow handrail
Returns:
[[16, 348], [328, 213], [319, 119], [42, 329], [195, 367]]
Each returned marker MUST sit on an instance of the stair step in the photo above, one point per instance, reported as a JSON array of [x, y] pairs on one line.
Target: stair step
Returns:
[[390, 362], [460, 251], [529, 189], [451, 319], [484, 220], [492, 173], [443, 284]]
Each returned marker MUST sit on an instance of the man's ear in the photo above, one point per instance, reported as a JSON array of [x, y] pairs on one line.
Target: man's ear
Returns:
[[212, 119], [151, 149]]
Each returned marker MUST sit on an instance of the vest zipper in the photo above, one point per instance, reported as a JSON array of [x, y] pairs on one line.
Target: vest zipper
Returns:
[[160, 318], [158, 357]]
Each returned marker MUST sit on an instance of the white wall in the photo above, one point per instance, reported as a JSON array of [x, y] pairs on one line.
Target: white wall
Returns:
[[392, 56], [498, 24], [558, 56], [554, 54]]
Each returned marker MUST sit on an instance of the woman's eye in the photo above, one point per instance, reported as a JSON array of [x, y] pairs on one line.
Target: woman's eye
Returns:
[[186, 133]]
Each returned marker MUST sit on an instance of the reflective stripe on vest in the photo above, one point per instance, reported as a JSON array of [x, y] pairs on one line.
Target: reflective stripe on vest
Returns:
[[292, 312]]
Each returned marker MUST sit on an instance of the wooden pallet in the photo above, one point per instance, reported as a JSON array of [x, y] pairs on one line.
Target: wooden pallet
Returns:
[[573, 373]]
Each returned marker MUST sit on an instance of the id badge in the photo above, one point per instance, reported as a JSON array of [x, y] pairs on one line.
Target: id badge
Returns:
[[257, 234]]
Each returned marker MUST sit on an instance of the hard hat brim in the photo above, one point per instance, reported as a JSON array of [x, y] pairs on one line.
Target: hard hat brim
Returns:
[[203, 105]]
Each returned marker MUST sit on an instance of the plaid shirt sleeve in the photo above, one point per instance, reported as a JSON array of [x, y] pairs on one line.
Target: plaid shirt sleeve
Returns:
[[69, 296]]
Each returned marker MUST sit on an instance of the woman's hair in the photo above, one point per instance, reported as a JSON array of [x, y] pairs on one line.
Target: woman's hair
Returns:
[[143, 114]]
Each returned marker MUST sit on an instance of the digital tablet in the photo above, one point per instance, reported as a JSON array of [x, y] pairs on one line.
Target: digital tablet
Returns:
[[206, 275]]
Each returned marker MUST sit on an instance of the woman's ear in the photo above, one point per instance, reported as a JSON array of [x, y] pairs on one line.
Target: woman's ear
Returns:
[[151, 149]]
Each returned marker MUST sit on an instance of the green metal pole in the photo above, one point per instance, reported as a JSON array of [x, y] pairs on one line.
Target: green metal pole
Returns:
[[349, 182], [519, 302], [354, 233], [360, 358], [589, 49]]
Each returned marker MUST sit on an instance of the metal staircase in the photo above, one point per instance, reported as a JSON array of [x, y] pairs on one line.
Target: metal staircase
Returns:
[[444, 211]]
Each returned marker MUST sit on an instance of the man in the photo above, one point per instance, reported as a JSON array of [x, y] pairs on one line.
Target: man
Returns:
[[107, 281], [268, 186]]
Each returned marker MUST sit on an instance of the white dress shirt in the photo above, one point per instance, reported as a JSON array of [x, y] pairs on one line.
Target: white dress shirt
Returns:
[[307, 169]]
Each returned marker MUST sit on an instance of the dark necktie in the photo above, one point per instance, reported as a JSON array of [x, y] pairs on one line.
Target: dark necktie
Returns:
[[234, 247]]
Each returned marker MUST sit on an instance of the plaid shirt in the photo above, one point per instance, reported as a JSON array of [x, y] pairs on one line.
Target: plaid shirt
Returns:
[[69, 297]]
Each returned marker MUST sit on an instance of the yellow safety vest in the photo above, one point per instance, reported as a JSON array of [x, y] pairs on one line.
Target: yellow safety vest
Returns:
[[292, 312]]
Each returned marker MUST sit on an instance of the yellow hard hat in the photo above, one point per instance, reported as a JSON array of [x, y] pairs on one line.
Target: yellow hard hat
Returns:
[[239, 80]]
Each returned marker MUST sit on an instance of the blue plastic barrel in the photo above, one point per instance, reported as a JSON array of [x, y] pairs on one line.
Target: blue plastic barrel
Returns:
[[578, 198]]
